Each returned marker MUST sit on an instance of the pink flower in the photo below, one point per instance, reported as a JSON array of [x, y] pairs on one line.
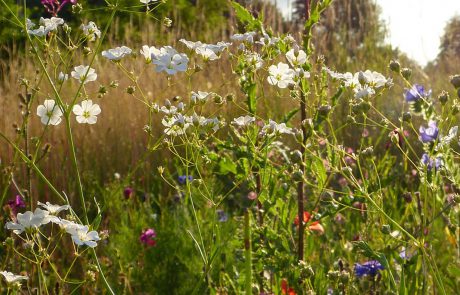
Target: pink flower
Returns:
[[147, 237]]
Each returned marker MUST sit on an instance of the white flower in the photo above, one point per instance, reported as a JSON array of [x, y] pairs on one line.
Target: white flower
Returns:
[[280, 75], [27, 220], [53, 209], [451, 136], [62, 77], [273, 128], [363, 91], [213, 123], [11, 278], [87, 112], [243, 120], [296, 57], [170, 61], [49, 112], [148, 1], [254, 60], [91, 31], [46, 25], [248, 37], [51, 24], [200, 97], [191, 45], [206, 53], [84, 73], [116, 53], [267, 40], [148, 52], [82, 236], [176, 125]]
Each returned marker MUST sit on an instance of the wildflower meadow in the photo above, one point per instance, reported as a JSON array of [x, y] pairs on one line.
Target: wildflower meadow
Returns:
[[178, 147]]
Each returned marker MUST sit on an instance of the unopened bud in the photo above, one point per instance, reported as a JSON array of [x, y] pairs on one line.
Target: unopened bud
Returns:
[[443, 97], [395, 66], [131, 89], [406, 73], [455, 81]]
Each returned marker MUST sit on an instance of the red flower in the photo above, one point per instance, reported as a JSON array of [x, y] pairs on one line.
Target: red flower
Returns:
[[285, 289], [314, 226]]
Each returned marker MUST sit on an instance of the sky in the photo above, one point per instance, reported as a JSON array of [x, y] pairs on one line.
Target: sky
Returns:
[[415, 26]]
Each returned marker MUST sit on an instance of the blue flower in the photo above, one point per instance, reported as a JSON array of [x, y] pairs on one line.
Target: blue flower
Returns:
[[183, 179], [429, 162], [369, 268], [429, 134], [416, 93], [222, 216]]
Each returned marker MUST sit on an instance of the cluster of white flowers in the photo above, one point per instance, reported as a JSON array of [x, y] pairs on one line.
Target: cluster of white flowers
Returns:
[[176, 123], [91, 31], [166, 59], [50, 113], [364, 84], [116, 53], [282, 75], [46, 25], [31, 221], [273, 128], [207, 51]]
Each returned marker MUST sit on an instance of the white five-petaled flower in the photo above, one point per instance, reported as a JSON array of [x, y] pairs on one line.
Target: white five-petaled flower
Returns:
[[53, 209], [27, 220], [49, 112], [91, 31], [170, 61], [87, 112], [84, 74], [200, 97], [148, 1], [148, 52], [11, 278], [281, 75], [116, 53], [296, 57], [243, 120], [82, 236]]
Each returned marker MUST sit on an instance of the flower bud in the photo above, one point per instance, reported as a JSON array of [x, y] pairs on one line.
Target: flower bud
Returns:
[[407, 117], [230, 97], [455, 81], [395, 66], [218, 99], [362, 78], [297, 175], [131, 89], [296, 156], [386, 229], [406, 73], [324, 110], [87, 51], [443, 97]]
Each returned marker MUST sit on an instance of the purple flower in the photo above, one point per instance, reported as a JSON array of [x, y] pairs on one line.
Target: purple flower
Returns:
[[429, 134], [369, 268], [415, 93], [183, 179], [16, 204], [429, 162], [222, 216], [128, 193], [54, 6], [147, 237]]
